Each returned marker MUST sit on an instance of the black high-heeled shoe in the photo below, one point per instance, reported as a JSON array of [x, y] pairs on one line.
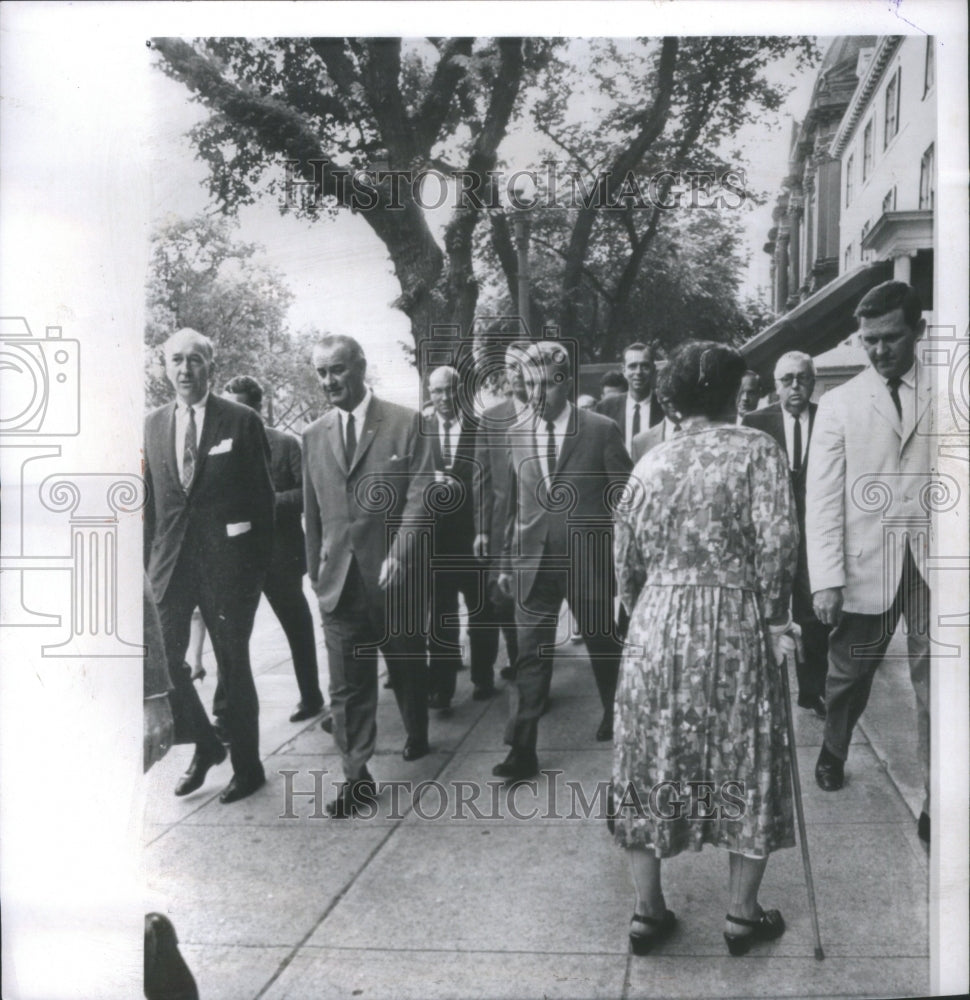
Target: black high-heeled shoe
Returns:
[[641, 944], [770, 925]]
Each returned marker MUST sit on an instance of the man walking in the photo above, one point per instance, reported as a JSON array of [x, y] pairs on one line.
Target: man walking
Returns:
[[283, 586], [873, 429], [638, 408], [366, 467], [208, 541], [565, 466], [790, 422]]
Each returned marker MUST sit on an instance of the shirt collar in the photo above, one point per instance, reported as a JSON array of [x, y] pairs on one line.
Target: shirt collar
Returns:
[[359, 411], [455, 421], [199, 407], [560, 423], [909, 379], [631, 402]]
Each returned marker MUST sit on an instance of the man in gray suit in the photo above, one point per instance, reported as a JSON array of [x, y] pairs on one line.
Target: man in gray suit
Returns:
[[366, 467], [566, 467]]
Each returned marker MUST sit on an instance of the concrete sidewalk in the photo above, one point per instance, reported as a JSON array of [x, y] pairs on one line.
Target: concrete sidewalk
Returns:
[[401, 906]]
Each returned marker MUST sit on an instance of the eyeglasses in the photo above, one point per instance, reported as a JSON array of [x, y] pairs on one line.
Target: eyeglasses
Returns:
[[789, 380]]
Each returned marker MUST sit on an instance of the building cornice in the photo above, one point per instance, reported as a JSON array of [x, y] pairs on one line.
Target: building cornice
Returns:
[[885, 49]]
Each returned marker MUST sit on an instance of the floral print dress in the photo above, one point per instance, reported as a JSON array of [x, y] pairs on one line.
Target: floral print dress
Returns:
[[705, 550]]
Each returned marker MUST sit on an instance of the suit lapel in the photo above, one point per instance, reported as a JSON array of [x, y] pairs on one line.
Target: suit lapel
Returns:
[[882, 402], [372, 419], [212, 425], [923, 393], [569, 439], [170, 444], [336, 441]]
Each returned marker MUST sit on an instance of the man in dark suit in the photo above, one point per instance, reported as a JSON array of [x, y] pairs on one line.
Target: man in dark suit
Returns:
[[491, 486], [208, 542], [567, 467], [455, 570], [366, 470], [283, 586], [790, 422], [638, 408], [749, 393]]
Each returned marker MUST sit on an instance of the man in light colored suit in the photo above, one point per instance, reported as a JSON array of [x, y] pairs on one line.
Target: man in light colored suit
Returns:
[[638, 408], [869, 462], [649, 439], [790, 422], [366, 467], [208, 543], [566, 468]]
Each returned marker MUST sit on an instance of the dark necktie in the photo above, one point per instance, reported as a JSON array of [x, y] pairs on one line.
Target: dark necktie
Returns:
[[796, 463], [551, 446], [636, 420], [190, 450], [446, 447], [894, 383], [350, 442]]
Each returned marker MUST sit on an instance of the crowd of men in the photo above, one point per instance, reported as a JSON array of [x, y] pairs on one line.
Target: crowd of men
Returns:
[[508, 509]]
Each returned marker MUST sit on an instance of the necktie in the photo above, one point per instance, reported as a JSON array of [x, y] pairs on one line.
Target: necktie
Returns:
[[350, 442], [550, 447], [796, 463], [894, 383], [446, 448], [636, 422], [190, 450]]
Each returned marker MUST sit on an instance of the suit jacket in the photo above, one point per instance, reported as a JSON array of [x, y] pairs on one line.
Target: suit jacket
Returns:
[[591, 471], [286, 471], [491, 474], [614, 407], [454, 527], [648, 440], [355, 513], [231, 488], [771, 420], [865, 480]]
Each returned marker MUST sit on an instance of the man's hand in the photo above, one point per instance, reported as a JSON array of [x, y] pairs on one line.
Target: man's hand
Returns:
[[504, 582], [159, 729], [390, 570], [480, 547], [827, 605]]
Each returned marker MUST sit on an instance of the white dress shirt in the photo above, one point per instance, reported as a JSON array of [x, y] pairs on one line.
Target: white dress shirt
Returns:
[[359, 412], [907, 396], [559, 427], [790, 435], [454, 433], [181, 424]]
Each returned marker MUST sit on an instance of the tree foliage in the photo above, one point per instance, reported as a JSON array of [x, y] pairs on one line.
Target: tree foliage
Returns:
[[202, 276]]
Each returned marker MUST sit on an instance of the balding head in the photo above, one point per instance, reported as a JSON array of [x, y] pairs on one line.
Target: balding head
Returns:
[[443, 389]]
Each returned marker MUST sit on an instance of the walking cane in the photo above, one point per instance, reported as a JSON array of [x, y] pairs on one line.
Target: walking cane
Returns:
[[799, 811]]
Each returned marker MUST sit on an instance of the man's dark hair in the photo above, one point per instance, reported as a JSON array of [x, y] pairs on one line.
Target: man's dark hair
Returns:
[[701, 378], [649, 348], [888, 297], [247, 387], [614, 380]]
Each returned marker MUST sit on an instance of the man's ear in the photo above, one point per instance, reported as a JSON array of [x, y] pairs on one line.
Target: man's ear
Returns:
[[920, 328]]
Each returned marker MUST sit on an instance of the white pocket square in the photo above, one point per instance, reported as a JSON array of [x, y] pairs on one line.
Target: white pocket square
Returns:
[[225, 445], [239, 528]]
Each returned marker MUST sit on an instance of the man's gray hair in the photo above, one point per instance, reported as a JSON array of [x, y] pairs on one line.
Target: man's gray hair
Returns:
[[331, 340], [443, 371], [206, 345], [796, 358]]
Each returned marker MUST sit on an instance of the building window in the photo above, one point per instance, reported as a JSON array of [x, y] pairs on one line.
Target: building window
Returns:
[[892, 108], [849, 175], [929, 67], [927, 182], [889, 202], [867, 225], [848, 258], [867, 151]]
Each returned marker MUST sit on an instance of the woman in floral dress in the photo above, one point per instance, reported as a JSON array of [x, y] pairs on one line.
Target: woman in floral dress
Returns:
[[705, 552]]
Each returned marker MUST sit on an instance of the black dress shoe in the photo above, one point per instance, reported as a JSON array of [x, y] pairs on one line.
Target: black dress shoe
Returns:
[[415, 751], [829, 771], [202, 760], [661, 928], [304, 712], [923, 827], [326, 723], [352, 796], [816, 704], [241, 788], [507, 673], [517, 766], [605, 731], [483, 692]]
